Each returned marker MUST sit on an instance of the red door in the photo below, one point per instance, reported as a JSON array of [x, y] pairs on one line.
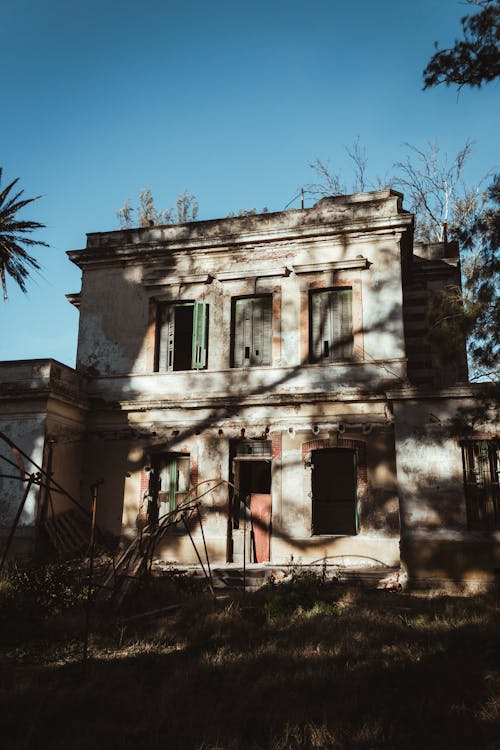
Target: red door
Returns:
[[260, 505]]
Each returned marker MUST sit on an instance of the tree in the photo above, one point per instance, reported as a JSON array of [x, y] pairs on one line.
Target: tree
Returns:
[[147, 214], [475, 59], [481, 268], [471, 62], [447, 209], [434, 187], [15, 261], [331, 183]]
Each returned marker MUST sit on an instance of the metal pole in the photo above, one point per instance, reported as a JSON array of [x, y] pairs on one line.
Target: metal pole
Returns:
[[199, 558], [33, 478], [91, 570], [245, 550], [205, 546]]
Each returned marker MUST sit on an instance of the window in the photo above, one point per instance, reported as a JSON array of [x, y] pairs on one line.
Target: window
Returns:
[[330, 334], [482, 496], [252, 331], [169, 481], [334, 491], [182, 336]]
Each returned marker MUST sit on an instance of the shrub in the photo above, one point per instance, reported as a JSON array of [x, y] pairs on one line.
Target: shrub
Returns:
[[305, 589], [36, 592]]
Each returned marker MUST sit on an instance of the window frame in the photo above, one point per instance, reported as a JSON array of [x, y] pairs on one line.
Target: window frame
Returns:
[[248, 362], [161, 462], [336, 296], [481, 470], [199, 336]]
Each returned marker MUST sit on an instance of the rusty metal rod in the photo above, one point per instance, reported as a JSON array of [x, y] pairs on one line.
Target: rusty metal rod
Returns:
[[205, 546], [91, 571], [15, 447], [199, 559]]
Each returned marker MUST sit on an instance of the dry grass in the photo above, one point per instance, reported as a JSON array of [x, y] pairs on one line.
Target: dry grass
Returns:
[[344, 669]]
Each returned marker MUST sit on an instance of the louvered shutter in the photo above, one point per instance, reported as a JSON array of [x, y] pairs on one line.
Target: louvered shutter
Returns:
[[267, 331], [341, 313], [199, 347], [166, 338], [261, 331], [242, 332], [336, 325], [331, 325], [321, 327], [173, 483], [346, 349]]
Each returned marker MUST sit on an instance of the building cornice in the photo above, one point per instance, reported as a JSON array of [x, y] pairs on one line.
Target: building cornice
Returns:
[[379, 215]]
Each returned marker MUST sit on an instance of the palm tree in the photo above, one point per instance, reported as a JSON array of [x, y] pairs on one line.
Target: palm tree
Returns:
[[15, 261]]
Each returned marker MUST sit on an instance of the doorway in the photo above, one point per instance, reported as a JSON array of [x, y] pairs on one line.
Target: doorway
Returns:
[[253, 478], [334, 491]]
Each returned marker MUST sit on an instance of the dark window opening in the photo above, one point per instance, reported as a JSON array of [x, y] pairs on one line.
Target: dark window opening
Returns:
[[330, 329], [182, 336], [334, 491], [482, 496], [252, 331]]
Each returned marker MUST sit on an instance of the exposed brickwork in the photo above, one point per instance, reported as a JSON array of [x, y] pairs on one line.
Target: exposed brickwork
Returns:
[[143, 499], [276, 445]]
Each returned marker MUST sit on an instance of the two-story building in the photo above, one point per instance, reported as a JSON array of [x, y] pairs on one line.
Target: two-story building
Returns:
[[282, 358]]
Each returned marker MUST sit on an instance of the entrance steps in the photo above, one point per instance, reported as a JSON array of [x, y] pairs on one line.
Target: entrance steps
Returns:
[[233, 577]]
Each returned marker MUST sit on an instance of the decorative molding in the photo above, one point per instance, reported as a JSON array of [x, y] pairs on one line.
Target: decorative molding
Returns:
[[251, 273], [74, 299], [154, 280], [334, 265]]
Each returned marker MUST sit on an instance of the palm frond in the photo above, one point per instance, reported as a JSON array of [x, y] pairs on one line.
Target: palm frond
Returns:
[[15, 260]]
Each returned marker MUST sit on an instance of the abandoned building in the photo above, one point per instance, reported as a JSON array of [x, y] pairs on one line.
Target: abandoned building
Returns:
[[281, 359]]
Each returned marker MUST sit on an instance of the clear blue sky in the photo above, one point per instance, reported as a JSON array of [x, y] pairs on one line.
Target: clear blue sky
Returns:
[[230, 99]]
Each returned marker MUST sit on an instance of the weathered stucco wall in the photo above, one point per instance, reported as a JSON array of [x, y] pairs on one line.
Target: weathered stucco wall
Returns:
[[207, 435], [436, 543], [286, 255], [42, 411]]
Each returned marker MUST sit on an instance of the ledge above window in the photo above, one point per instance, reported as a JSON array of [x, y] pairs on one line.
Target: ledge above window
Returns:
[[335, 265], [154, 280], [252, 273]]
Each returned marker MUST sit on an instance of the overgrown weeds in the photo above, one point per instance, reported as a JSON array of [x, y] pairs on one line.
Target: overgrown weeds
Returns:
[[36, 592], [304, 665]]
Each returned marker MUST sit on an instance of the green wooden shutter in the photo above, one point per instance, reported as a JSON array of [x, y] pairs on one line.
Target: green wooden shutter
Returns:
[[173, 484], [166, 338], [199, 347]]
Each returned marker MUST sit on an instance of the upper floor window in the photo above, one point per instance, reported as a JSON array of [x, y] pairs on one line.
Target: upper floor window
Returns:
[[182, 336], [252, 331], [330, 334], [481, 473]]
